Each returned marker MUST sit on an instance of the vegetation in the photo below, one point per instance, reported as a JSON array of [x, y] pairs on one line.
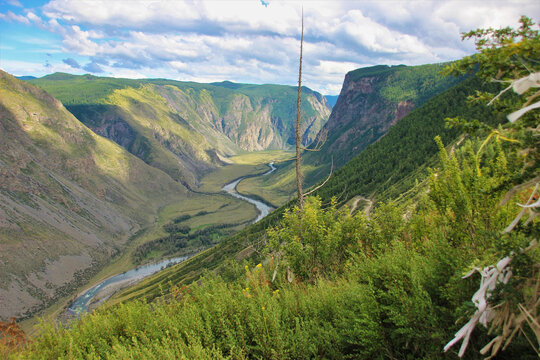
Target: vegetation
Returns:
[[331, 284], [406, 147]]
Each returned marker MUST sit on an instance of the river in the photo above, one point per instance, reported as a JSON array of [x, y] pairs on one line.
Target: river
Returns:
[[263, 208], [106, 288]]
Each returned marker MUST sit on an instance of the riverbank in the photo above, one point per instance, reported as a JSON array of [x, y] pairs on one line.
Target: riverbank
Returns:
[[263, 208], [99, 293]]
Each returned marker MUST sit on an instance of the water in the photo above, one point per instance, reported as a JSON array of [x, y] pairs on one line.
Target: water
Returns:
[[82, 303], [263, 209], [119, 281]]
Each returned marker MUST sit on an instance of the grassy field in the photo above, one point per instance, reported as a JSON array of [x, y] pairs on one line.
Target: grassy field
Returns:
[[262, 157], [280, 186]]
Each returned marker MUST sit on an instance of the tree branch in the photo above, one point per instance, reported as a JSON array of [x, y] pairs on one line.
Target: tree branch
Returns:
[[325, 181]]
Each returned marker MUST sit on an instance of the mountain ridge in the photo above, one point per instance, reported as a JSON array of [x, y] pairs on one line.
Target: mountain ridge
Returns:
[[183, 128], [69, 198]]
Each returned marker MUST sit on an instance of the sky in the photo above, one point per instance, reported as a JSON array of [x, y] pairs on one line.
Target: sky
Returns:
[[249, 41]]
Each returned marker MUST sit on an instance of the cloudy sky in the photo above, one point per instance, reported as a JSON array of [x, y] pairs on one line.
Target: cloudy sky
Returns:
[[249, 41]]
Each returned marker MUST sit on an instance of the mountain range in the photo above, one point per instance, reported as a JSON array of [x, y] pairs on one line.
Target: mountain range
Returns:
[[79, 180], [187, 129]]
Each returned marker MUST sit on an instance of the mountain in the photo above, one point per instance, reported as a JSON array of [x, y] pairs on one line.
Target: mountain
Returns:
[[395, 163], [26, 77], [184, 128], [69, 199], [371, 101]]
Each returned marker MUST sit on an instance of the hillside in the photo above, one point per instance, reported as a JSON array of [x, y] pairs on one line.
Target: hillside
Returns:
[[371, 101], [69, 199], [183, 128], [395, 163]]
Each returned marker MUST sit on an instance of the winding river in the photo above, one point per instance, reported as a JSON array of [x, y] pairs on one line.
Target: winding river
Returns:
[[263, 208], [106, 288]]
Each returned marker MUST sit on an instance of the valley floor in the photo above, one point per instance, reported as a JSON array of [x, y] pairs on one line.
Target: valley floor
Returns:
[[205, 207]]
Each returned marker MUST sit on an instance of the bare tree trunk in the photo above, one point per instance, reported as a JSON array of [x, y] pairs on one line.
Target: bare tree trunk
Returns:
[[298, 116]]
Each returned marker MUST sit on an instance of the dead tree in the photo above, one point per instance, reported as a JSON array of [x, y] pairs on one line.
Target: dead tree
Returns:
[[320, 141], [298, 115]]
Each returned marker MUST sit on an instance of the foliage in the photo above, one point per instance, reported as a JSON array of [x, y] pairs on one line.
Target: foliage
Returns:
[[314, 242], [503, 53], [512, 298], [12, 338], [406, 147]]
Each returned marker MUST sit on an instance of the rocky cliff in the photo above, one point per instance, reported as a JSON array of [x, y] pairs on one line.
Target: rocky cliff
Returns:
[[371, 101], [176, 126]]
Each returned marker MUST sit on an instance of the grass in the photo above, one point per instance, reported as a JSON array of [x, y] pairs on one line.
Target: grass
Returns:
[[219, 208], [214, 181], [280, 187], [262, 157]]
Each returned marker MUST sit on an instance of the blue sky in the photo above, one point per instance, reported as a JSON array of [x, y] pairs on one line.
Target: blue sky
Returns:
[[250, 41]]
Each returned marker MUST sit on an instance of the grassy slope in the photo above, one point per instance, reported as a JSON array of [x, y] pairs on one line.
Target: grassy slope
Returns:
[[410, 143], [70, 198]]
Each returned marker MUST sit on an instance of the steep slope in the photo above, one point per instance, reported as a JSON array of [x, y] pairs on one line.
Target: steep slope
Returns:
[[393, 164], [371, 101], [69, 199], [186, 128], [387, 168]]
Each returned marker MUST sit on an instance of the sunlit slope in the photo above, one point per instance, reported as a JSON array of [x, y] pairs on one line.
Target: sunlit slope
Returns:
[[69, 199], [185, 128], [384, 170]]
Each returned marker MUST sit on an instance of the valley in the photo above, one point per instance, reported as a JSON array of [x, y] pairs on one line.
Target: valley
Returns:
[[151, 208], [210, 207], [86, 199]]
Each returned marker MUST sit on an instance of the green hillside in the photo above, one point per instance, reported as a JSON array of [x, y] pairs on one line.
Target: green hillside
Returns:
[[403, 154], [183, 128], [69, 199]]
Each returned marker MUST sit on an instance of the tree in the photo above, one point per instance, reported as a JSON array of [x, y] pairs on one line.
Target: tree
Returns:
[[320, 139], [298, 116]]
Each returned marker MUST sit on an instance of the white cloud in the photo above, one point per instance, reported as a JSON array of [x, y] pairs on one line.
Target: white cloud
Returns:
[[245, 41], [10, 16], [14, 3], [20, 68]]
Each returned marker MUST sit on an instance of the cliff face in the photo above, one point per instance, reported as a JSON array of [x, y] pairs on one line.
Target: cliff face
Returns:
[[174, 126], [370, 102]]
